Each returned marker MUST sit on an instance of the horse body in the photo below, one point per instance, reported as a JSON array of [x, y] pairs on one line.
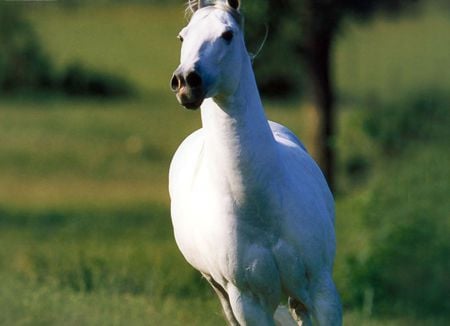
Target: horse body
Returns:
[[250, 208]]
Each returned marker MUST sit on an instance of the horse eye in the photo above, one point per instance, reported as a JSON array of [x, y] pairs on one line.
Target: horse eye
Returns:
[[180, 38], [227, 36]]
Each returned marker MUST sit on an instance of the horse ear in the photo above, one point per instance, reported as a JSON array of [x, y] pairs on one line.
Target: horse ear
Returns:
[[194, 5], [235, 4]]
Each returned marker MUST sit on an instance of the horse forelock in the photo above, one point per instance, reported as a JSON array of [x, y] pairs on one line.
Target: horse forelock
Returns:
[[219, 5]]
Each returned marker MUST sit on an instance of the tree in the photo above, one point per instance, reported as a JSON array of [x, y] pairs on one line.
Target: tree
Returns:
[[25, 66], [22, 61], [313, 26]]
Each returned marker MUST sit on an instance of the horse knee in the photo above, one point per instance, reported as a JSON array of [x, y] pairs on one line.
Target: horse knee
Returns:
[[327, 310], [248, 310]]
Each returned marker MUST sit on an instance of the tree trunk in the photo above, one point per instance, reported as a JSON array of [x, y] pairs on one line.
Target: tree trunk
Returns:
[[317, 55]]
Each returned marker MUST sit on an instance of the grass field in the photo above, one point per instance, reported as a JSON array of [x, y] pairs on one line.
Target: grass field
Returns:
[[391, 57], [85, 233]]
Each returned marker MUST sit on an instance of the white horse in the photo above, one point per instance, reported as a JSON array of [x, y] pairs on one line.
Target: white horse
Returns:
[[250, 208]]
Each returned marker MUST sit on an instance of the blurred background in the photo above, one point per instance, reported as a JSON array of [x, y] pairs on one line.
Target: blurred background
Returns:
[[88, 126]]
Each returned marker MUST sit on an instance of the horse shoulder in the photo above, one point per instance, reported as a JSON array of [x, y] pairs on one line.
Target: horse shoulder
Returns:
[[184, 162], [199, 215]]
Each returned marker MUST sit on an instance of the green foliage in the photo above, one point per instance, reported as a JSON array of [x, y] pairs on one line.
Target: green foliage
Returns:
[[274, 79], [408, 267], [296, 29], [393, 126], [366, 8], [80, 81], [407, 214], [25, 66]]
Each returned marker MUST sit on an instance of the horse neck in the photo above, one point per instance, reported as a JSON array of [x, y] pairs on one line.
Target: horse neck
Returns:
[[238, 140]]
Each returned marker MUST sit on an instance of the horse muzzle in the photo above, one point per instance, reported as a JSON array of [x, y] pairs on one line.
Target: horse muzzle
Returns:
[[188, 89]]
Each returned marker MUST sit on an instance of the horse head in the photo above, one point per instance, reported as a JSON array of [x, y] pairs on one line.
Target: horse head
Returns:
[[211, 52]]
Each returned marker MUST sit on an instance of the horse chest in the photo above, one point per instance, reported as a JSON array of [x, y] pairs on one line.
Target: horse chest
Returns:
[[222, 207], [221, 229]]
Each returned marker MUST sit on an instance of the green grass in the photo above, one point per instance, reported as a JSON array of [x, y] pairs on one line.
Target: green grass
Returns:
[[96, 266], [100, 150], [390, 57], [85, 232], [137, 41]]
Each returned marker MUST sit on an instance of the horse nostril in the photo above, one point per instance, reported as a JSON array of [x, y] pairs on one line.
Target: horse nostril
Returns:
[[175, 83], [193, 79]]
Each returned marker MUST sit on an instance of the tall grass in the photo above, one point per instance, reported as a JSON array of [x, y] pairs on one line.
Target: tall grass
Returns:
[[390, 58]]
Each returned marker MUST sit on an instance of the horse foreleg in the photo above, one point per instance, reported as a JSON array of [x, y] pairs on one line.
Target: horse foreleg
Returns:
[[326, 303], [248, 309], [299, 312], [224, 300]]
